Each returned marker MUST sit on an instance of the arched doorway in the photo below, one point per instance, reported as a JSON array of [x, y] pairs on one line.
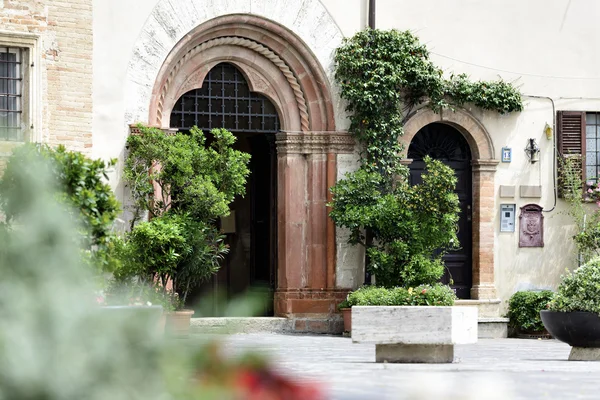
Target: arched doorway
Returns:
[[445, 143], [225, 101]]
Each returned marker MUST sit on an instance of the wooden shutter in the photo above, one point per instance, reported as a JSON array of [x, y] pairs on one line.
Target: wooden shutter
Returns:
[[571, 141]]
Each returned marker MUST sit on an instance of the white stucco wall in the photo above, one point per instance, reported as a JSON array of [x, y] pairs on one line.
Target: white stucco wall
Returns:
[[548, 48]]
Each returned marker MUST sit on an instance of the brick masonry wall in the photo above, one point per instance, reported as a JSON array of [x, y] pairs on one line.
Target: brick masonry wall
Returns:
[[66, 39]]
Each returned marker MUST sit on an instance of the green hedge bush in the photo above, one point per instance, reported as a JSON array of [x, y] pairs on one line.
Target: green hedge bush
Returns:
[[424, 295], [524, 309], [579, 290]]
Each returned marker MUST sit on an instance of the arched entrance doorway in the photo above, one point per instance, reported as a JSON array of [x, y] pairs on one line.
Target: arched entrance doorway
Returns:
[[278, 65], [443, 142], [225, 101]]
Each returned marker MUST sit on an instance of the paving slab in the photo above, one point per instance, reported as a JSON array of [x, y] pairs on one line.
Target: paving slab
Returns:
[[490, 369]]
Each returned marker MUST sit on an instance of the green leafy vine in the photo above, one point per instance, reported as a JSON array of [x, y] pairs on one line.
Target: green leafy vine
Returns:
[[384, 76]]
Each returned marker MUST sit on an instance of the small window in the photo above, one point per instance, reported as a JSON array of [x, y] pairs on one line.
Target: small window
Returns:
[[11, 94], [592, 146]]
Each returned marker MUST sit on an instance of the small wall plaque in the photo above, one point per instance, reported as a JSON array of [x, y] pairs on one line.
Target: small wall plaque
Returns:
[[506, 154], [531, 229]]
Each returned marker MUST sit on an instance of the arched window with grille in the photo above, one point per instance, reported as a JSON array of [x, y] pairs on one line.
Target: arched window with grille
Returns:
[[225, 101]]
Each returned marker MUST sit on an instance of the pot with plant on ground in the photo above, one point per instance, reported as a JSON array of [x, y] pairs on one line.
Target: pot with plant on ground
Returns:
[[345, 308], [573, 316], [524, 313]]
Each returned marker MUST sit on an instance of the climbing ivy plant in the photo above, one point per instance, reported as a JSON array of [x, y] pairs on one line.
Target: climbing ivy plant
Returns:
[[383, 76]]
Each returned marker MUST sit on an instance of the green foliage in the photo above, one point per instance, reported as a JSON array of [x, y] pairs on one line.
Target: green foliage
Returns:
[[524, 309], [197, 182], [423, 295], [412, 224], [579, 290], [585, 214], [156, 247], [78, 182], [193, 177], [383, 76], [499, 96]]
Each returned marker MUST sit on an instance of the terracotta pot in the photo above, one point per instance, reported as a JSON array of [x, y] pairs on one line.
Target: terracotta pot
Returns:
[[347, 314], [178, 322]]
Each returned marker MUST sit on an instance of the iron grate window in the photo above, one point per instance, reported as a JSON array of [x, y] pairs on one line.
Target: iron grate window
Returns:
[[11, 85], [225, 101]]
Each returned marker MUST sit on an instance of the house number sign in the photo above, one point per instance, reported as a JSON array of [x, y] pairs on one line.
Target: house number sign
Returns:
[[531, 229]]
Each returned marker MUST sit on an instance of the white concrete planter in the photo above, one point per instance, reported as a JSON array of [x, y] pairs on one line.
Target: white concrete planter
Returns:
[[414, 334]]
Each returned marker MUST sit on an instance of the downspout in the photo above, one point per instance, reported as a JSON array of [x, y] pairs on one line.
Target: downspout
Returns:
[[372, 14], [368, 235], [554, 172]]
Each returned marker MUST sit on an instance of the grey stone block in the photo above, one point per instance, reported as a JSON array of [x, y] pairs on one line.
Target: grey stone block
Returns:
[[584, 354], [507, 191], [531, 191], [414, 353]]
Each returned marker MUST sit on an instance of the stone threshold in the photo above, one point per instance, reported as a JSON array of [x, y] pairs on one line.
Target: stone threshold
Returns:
[[242, 325]]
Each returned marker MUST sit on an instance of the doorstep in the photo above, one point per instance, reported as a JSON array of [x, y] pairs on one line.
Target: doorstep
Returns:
[[242, 325]]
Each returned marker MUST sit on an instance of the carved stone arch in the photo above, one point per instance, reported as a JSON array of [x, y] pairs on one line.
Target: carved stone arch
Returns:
[[269, 43], [480, 141], [262, 76]]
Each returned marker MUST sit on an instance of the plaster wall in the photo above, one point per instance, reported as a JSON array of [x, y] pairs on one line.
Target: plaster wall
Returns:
[[546, 48]]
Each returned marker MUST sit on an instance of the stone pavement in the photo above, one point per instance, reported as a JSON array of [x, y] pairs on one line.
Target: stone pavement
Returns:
[[491, 369]]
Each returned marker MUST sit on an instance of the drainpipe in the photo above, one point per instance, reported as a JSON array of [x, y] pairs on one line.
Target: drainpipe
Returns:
[[372, 14], [554, 172], [368, 234]]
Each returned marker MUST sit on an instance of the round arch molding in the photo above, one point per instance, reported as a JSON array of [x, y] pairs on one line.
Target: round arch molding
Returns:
[[480, 141], [484, 169], [274, 60]]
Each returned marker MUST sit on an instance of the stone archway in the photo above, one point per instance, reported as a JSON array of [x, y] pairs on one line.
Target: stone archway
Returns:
[[279, 65], [484, 168]]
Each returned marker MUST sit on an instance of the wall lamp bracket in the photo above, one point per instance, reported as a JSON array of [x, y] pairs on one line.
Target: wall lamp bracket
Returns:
[[532, 151]]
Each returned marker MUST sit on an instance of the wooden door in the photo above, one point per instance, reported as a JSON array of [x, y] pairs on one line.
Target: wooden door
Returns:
[[445, 143]]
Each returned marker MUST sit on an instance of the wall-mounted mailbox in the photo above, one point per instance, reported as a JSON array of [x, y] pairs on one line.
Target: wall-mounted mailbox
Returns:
[[531, 229], [507, 217]]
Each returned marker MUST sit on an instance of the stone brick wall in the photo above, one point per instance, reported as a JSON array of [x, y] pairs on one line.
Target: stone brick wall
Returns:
[[62, 82]]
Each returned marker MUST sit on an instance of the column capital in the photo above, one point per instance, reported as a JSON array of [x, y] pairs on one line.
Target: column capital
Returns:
[[484, 165], [314, 142]]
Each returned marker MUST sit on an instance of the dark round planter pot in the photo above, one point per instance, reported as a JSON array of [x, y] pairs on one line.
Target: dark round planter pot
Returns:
[[577, 328]]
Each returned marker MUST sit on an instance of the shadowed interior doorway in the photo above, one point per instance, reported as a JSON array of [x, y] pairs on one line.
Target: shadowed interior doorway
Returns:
[[225, 101]]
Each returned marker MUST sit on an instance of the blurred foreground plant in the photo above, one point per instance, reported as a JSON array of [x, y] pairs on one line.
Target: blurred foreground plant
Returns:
[[56, 343]]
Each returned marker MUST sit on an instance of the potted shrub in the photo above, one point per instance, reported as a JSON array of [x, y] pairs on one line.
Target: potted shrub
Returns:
[[524, 313], [345, 307], [185, 184], [573, 315]]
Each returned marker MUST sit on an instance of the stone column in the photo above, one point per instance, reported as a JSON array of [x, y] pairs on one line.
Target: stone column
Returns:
[[484, 209], [306, 235]]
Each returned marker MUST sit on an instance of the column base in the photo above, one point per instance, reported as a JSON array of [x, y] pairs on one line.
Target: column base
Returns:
[[311, 310], [486, 291], [414, 353]]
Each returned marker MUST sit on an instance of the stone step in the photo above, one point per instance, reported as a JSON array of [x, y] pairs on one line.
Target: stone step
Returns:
[[241, 325], [488, 308], [492, 328]]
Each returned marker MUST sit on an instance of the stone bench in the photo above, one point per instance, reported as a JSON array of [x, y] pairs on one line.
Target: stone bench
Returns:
[[411, 334]]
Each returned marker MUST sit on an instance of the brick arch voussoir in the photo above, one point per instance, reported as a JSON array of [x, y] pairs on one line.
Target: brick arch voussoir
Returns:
[[480, 141]]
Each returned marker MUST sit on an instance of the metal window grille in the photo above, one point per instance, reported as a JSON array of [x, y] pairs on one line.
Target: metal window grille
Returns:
[[11, 85], [592, 146], [225, 101]]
